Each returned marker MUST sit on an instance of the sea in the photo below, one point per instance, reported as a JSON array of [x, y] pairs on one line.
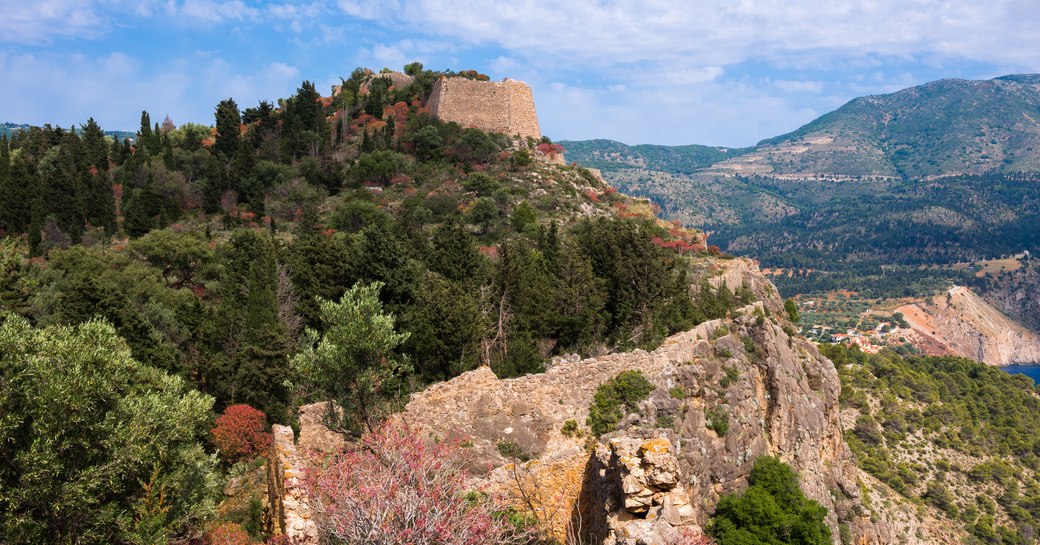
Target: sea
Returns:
[[1031, 370]]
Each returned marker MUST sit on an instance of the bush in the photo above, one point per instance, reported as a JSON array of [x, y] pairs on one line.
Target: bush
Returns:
[[510, 449], [717, 420], [94, 446], [228, 533], [772, 510], [623, 392], [241, 433], [397, 488]]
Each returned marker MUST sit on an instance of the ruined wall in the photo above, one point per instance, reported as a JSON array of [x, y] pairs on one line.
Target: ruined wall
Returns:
[[506, 106], [289, 510]]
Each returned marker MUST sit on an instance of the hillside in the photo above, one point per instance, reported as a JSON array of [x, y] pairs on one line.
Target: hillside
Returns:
[[610, 156], [940, 128], [949, 434]]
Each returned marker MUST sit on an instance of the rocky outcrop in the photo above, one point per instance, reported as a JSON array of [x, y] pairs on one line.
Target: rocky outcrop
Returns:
[[961, 323], [664, 470]]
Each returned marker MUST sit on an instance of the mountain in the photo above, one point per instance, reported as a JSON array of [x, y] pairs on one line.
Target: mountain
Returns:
[[609, 155], [940, 173], [945, 127]]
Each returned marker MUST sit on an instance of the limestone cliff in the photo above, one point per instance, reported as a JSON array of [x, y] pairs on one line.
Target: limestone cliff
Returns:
[[961, 323], [664, 470]]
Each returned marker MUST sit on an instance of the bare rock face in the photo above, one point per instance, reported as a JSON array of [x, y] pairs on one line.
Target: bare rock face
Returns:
[[662, 472], [961, 323]]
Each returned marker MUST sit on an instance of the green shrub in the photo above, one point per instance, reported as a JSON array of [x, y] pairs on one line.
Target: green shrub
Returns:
[[717, 420], [677, 392], [729, 376], [510, 449], [570, 428], [752, 348], [772, 510], [614, 397]]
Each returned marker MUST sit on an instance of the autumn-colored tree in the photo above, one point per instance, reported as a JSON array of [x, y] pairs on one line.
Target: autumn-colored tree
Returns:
[[241, 433]]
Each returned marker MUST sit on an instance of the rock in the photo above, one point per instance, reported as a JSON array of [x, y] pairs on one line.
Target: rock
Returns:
[[781, 400]]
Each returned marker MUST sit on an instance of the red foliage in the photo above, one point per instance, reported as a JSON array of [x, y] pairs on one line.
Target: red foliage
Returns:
[[228, 533], [396, 488], [550, 149], [714, 250], [490, 251], [592, 195], [241, 433], [611, 190], [93, 170]]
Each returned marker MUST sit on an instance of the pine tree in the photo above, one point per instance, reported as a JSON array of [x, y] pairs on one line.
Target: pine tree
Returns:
[[17, 194], [262, 369]]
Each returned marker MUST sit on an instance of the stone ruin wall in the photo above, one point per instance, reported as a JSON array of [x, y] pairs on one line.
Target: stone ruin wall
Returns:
[[289, 512], [506, 106]]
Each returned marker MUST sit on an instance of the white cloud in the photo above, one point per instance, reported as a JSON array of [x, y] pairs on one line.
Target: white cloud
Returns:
[[721, 32], [798, 86], [115, 88], [40, 21]]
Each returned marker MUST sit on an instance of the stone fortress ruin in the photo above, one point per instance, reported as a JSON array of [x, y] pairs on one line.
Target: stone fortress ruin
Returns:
[[505, 106]]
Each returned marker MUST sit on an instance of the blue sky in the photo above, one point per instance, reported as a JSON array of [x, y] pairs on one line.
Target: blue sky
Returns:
[[720, 72]]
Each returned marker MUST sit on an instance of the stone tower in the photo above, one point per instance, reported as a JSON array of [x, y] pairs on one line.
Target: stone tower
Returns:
[[506, 106]]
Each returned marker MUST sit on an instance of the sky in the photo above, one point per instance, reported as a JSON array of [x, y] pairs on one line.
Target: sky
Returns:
[[716, 72]]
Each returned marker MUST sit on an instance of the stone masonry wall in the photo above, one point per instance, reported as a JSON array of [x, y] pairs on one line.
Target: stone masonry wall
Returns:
[[506, 106]]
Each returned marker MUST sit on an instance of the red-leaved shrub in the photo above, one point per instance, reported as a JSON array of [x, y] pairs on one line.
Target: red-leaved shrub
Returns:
[[241, 433], [396, 488], [228, 533]]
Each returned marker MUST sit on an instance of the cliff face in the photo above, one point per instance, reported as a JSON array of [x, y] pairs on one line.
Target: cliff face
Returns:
[[664, 470], [961, 323], [1016, 293]]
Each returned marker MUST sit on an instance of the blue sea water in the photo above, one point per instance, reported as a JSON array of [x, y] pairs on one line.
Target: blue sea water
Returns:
[[1030, 370]]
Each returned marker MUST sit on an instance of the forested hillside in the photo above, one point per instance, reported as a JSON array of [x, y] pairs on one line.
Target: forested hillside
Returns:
[[950, 434], [205, 260]]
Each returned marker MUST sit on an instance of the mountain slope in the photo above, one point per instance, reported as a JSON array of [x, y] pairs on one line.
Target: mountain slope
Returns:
[[609, 155], [949, 126]]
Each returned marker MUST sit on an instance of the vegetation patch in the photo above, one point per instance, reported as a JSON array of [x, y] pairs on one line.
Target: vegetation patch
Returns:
[[773, 509], [615, 398], [716, 419]]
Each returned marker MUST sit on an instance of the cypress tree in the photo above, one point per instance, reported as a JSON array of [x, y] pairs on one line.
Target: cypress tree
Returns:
[[17, 194], [100, 202], [229, 119]]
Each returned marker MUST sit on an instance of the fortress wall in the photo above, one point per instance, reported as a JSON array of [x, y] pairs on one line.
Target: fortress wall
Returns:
[[506, 106]]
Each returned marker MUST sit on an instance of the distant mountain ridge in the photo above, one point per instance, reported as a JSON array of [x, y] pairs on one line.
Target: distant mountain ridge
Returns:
[[610, 155], [946, 127], [9, 129], [884, 194]]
